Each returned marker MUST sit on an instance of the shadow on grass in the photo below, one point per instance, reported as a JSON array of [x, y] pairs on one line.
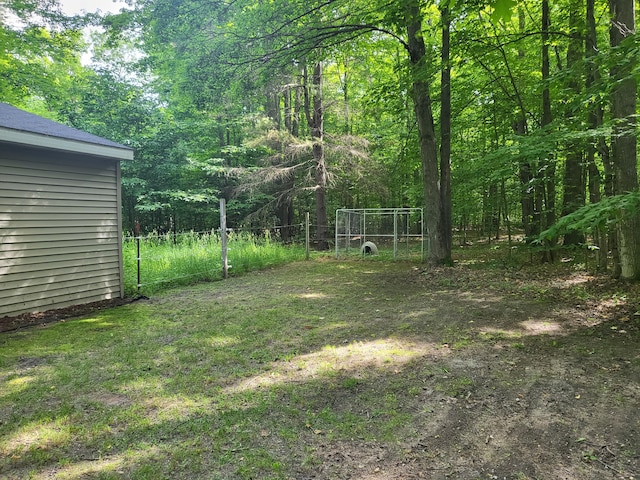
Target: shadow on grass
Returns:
[[323, 370]]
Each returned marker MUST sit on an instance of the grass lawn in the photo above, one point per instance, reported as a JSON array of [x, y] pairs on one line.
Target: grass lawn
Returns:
[[355, 369]]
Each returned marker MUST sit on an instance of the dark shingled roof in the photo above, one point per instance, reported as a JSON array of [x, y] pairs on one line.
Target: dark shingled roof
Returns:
[[15, 119]]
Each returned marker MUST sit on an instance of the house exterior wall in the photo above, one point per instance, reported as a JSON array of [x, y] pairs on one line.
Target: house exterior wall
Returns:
[[60, 230]]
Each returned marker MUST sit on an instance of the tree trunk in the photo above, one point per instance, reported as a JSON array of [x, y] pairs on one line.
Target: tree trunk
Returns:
[[284, 212], [573, 182], [624, 146], [297, 105], [491, 211], [273, 107], [595, 121], [574, 191], [345, 96], [315, 119], [287, 109], [525, 173], [546, 94], [547, 189], [438, 253], [445, 132], [285, 185]]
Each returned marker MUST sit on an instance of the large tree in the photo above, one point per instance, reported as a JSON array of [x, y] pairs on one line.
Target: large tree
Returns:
[[439, 243], [624, 142]]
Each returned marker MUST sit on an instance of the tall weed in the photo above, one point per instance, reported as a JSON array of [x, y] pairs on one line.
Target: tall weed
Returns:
[[168, 260]]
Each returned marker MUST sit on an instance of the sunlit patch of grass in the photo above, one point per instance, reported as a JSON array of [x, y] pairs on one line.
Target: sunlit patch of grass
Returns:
[[331, 359], [107, 467], [492, 334], [36, 443], [536, 327], [16, 384]]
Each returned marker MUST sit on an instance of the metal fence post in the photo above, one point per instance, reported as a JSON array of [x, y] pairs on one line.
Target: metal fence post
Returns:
[[137, 232], [223, 236], [307, 236], [395, 233]]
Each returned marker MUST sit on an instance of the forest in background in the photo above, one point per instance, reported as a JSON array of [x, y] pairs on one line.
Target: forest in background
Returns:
[[497, 117]]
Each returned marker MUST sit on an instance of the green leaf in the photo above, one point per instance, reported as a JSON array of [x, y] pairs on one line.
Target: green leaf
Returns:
[[608, 212], [502, 10]]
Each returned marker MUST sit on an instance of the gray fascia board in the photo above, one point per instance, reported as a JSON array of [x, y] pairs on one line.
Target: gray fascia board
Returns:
[[55, 143]]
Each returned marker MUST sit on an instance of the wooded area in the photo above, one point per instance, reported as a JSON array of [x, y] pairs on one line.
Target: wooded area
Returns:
[[496, 116]]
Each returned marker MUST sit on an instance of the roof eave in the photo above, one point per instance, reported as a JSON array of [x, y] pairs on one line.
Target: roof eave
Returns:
[[63, 144]]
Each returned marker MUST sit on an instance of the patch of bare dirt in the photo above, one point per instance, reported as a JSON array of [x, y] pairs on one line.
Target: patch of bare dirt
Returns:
[[542, 380], [17, 322]]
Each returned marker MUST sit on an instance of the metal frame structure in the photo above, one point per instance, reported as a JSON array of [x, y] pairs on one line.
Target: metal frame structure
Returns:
[[354, 227]]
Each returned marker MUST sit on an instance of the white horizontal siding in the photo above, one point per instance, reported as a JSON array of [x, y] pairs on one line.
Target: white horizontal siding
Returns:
[[87, 244], [15, 257], [66, 169], [59, 231], [64, 273], [40, 264], [59, 290], [55, 234], [50, 219], [7, 204], [72, 183], [51, 303], [51, 192]]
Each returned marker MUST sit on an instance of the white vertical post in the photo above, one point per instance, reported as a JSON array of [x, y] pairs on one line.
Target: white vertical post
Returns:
[[307, 236], [337, 235], [407, 221], [395, 233], [223, 236], [348, 227], [364, 228], [422, 231]]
